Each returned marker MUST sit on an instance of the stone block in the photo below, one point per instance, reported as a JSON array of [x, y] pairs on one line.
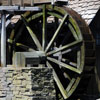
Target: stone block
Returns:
[[28, 94], [29, 86], [17, 88], [18, 96], [2, 95], [13, 98], [2, 75], [23, 90], [17, 82], [21, 78], [3, 99], [15, 92], [26, 84], [12, 88], [8, 97], [9, 75]]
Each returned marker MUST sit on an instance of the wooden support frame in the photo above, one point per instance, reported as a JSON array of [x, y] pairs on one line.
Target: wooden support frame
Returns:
[[3, 40], [31, 2]]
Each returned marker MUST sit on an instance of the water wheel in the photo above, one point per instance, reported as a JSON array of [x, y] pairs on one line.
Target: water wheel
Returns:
[[64, 38]]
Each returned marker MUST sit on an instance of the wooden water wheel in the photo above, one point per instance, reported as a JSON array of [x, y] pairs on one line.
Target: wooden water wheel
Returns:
[[64, 38]]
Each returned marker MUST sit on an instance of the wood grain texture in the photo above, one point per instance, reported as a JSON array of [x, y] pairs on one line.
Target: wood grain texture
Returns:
[[25, 2]]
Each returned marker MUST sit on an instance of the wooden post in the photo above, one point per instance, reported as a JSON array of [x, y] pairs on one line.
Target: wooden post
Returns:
[[22, 3], [3, 40], [52, 2], [9, 2], [32, 2]]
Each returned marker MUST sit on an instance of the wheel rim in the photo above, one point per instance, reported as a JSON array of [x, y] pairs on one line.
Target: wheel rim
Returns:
[[58, 53]]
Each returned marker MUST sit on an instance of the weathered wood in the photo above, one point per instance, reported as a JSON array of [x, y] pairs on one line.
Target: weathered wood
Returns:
[[9, 2], [22, 2], [32, 34], [71, 63]]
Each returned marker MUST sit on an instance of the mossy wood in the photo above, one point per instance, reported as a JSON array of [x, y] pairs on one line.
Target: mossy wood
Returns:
[[60, 33]]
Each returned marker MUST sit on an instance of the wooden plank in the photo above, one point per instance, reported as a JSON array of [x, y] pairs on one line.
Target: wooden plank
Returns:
[[22, 2]]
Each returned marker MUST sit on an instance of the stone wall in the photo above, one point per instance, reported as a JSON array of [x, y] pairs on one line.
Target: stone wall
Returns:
[[26, 84], [86, 8]]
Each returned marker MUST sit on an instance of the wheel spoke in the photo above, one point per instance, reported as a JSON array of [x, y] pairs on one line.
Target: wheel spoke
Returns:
[[12, 34], [59, 84], [73, 44], [56, 33], [28, 20], [70, 84], [74, 87], [69, 62], [64, 65], [73, 31], [19, 33], [44, 28], [34, 16], [20, 45], [78, 59], [66, 51], [24, 47], [36, 41]]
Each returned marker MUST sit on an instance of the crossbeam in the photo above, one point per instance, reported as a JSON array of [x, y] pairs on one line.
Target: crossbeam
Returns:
[[18, 8], [31, 2]]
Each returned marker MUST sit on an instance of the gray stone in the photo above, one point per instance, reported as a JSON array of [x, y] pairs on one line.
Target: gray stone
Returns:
[[26, 84]]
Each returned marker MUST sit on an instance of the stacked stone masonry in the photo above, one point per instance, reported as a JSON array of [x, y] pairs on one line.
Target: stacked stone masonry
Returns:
[[86, 8], [26, 84]]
